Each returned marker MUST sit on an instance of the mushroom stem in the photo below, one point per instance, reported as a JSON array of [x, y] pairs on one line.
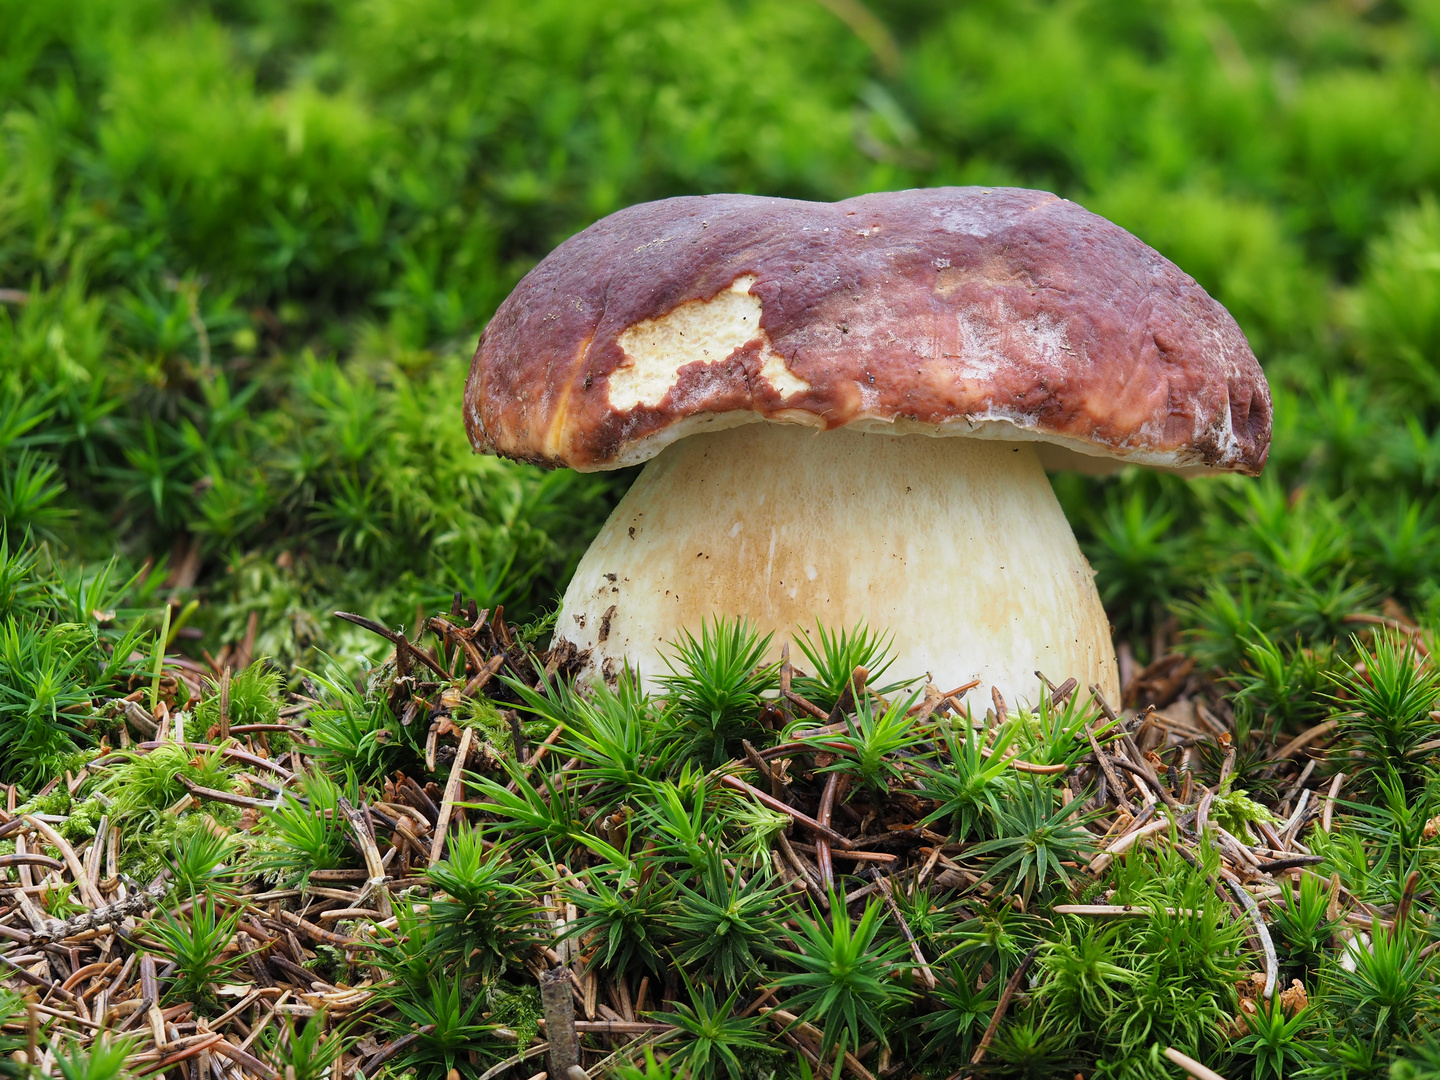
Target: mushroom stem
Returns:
[[955, 546]]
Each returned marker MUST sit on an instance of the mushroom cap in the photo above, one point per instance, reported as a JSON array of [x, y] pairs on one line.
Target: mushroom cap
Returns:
[[988, 312]]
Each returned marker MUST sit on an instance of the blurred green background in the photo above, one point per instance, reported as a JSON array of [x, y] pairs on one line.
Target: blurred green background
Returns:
[[247, 247]]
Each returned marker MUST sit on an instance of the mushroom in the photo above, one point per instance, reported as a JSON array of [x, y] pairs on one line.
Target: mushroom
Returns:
[[847, 410]]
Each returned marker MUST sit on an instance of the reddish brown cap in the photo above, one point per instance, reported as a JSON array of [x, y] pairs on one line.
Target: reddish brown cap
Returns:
[[990, 312]]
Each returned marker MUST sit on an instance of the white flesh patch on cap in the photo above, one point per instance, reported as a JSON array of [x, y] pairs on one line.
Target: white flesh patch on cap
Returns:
[[774, 371], [699, 331]]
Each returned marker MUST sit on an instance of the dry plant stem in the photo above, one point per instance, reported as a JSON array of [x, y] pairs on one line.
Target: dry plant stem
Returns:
[[139, 717], [809, 707], [1002, 712], [224, 796], [1271, 836], [1407, 897], [1202, 813], [31, 860], [809, 876], [1191, 1066], [82, 880], [515, 1059], [227, 751], [1329, 811], [1062, 692], [385, 1053], [374, 867], [887, 891], [1137, 758], [1272, 963], [483, 677], [1238, 852], [793, 1023], [1272, 866], [618, 1027], [398, 640], [225, 704], [316, 933], [1300, 780], [822, 846], [1227, 766], [181, 1055], [758, 763], [1038, 770], [1123, 843], [1009, 992], [228, 1049], [1306, 737], [35, 980], [1292, 824], [765, 995], [473, 658], [560, 1034], [922, 711], [452, 792], [1111, 776], [835, 838], [851, 856]]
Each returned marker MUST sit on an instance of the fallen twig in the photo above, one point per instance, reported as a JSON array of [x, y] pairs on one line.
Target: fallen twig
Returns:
[[452, 792], [1005, 996], [775, 804], [1191, 1066]]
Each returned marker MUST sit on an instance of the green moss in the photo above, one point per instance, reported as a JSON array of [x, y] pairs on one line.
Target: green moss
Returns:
[[485, 717], [1234, 811], [143, 785], [517, 1009], [254, 698], [347, 191], [82, 820], [60, 901], [56, 801], [145, 852]]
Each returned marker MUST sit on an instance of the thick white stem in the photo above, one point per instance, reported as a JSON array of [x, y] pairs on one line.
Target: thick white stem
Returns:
[[955, 546]]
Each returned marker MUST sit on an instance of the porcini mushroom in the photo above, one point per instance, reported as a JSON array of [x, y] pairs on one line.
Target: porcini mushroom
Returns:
[[847, 409]]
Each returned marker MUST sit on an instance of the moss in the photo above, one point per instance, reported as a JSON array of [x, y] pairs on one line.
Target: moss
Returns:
[[145, 852], [538, 630], [254, 698], [1234, 811], [485, 717], [146, 784], [519, 1010], [330, 963], [56, 801], [83, 820]]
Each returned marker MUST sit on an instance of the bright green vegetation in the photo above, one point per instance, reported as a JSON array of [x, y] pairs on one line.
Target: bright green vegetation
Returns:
[[246, 249], [62, 650], [628, 852], [255, 244]]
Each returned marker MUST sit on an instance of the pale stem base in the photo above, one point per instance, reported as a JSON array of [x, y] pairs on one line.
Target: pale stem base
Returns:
[[956, 546]]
